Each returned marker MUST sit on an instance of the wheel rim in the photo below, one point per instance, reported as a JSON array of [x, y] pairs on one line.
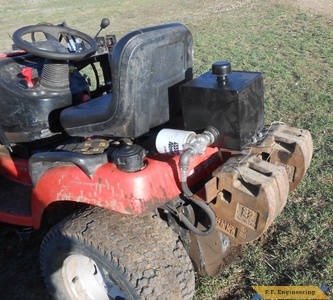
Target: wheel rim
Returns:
[[85, 280]]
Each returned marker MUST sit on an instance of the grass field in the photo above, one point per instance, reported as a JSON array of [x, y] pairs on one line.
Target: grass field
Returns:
[[293, 48]]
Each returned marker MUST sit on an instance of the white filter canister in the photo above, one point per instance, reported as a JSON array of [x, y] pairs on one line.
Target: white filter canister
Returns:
[[173, 141]]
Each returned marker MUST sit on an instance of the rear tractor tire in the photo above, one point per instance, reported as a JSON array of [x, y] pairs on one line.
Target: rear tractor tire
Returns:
[[98, 254]]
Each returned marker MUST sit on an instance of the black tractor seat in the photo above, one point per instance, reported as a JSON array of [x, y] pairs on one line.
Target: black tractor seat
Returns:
[[93, 112], [148, 66]]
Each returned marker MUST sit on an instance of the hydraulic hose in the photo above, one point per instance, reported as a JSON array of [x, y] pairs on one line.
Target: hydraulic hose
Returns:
[[193, 144], [196, 146], [210, 215], [184, 163], [191, 227]]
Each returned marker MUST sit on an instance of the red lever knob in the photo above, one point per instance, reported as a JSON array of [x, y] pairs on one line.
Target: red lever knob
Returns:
[[27, 73]]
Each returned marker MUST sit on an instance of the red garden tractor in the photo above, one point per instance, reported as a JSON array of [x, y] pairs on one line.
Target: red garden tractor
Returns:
[[144, 174]]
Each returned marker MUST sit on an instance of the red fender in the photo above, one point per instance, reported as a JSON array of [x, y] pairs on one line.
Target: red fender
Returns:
[[128, 193]]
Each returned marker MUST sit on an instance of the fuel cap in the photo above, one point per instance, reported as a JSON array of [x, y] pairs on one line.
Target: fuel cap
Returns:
[[129, 158], [221, 69]]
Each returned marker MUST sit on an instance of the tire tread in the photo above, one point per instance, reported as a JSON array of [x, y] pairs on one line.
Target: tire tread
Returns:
[[148, 254]]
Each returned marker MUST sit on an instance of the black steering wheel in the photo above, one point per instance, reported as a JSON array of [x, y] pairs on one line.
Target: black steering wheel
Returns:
[[80, 45]]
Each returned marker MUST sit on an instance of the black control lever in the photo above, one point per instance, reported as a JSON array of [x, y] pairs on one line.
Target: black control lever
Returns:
[[104, 23]]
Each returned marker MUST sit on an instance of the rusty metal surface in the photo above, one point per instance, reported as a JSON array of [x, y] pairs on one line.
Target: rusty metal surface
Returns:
[[289, 147], [214, 253], [251, 194], [251, 188], [210, 254]]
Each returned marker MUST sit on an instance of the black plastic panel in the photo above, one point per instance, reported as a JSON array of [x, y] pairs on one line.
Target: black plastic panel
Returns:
[[25, 113], [148, 65], [235, 107]]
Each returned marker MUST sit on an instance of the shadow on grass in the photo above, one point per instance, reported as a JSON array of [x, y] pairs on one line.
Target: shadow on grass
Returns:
[[20, 276]]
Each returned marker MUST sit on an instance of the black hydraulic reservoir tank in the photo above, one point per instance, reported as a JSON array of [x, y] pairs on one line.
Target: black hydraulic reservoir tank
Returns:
[[232, 102]]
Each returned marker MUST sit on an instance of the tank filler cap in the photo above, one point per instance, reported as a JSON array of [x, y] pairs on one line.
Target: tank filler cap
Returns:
[[129, 158], [221, 69]]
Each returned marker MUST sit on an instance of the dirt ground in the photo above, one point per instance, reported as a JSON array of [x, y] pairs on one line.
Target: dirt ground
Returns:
[[19, 248], [324, 7]]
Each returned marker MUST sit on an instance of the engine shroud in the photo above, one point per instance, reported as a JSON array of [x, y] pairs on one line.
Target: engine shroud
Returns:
[[235, 107]]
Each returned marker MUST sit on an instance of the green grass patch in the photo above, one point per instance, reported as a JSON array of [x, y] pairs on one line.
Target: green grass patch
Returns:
[[294, 51]]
